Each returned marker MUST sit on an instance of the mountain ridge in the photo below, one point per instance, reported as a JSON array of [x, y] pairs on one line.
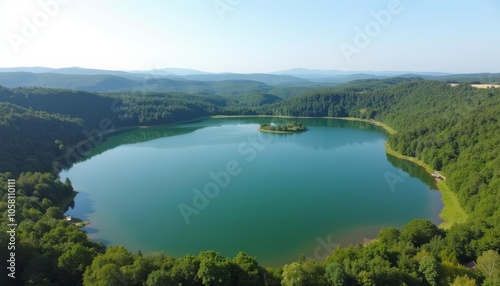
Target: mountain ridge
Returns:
[[95, 80]]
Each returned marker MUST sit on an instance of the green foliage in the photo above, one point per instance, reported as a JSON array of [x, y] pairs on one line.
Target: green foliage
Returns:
[[161, 278], [290, 127], [314, 272], [293, 275], [49, 250], [214, 269], [489, 264], [335, 274], [186, 270], [248, 271], [420, 232], [256, 99], [76, 259], [27, 138], [464, 281], [388, 236], [107, 268], [428, 266], [453, 129]]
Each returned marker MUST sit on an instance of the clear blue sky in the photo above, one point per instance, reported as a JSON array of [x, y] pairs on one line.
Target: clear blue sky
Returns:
[[252, 35]]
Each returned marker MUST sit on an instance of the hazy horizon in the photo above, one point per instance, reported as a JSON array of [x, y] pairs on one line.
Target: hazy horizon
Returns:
[[237, 36], [229, 72]]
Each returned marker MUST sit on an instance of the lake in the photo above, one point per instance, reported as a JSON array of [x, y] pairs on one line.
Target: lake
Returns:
[[220, 184]]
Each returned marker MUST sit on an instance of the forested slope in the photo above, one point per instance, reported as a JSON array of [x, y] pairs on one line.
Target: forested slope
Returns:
[[453, 129], [30, 140]]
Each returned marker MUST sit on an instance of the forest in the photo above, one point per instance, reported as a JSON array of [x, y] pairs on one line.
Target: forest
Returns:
[[452, 129]]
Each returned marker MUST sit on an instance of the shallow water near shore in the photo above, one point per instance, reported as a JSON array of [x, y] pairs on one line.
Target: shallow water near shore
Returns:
[[220, 184]]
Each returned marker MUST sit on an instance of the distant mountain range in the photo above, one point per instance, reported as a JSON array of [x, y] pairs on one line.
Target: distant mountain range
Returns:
[[193, 81], [298, 72], [315, 74]]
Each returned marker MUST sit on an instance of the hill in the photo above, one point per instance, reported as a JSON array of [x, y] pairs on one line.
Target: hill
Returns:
[[454, 129], [214, 84]]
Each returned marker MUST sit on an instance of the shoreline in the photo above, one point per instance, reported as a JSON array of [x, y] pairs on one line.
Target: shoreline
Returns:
[[276, 132], [451, 213], [173, 123], [384, 126], [117, 131]]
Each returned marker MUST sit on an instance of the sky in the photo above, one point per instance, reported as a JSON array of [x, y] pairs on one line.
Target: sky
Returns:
[[251, 36]]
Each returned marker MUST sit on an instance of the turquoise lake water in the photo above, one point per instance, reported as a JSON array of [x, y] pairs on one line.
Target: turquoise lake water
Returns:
[[221, 184]]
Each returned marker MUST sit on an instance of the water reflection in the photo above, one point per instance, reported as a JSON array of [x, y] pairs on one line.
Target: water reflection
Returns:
[[85, 206], [317, 142], [290, 186], [139, 135], [413, 170]]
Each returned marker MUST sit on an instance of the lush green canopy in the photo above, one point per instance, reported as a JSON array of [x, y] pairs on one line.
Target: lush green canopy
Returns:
[[453, 129]]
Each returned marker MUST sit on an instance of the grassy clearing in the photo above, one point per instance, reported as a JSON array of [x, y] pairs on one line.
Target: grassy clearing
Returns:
[[452, 211]]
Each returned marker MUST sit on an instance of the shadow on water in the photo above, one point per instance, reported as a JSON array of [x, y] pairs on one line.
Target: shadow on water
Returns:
[[101, 240], [413, 170], [139, 134], [91, 230], [85, 206], [133, 136], [322, 140]]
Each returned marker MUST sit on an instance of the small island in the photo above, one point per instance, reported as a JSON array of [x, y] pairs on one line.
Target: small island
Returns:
[[289, 128]]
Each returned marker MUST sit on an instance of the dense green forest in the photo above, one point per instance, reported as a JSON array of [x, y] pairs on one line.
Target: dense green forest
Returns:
[[220, 84], [453, 129]]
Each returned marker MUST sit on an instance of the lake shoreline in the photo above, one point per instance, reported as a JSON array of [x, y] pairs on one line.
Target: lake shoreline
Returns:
[[451, 213], [328, 233], [275, 132], [386, 127]]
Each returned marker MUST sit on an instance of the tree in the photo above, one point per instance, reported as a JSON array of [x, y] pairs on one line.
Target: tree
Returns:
[[272, 277], [105, 268], [420, 231], [137, 273], [76, 259], [293, 275], [335, 274], [489, 264], [108, 275], [366, 279], [186, 269], [54, 212], [314, 273], [428, 266], [214, 269], [248, 270], [161, 278], [388, 235], [464, 281]]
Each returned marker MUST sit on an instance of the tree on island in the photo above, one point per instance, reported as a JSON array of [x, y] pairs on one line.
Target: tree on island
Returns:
[[290, 127]]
